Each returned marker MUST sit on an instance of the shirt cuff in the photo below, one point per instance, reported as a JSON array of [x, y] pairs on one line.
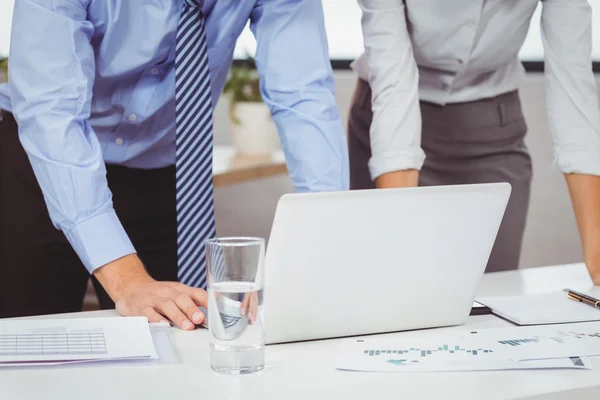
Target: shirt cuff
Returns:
[[396, 161], [578, 162], [100, 240]]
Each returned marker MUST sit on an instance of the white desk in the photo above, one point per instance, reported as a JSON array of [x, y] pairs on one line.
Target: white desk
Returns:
[[306, 370]]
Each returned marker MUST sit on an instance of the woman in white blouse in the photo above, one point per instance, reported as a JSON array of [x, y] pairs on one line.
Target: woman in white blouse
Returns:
[[437, 103]]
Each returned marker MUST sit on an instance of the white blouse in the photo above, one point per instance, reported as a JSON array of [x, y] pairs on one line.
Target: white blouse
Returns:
[[444, 51]]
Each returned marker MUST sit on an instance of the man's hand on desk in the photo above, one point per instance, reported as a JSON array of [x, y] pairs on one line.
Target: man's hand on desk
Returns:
[[135, 293]]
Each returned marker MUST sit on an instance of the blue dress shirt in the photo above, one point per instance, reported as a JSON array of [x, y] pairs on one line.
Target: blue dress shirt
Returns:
[[92, 81]]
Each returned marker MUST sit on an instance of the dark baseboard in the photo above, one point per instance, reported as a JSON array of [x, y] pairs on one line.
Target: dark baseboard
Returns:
[[530, 66]]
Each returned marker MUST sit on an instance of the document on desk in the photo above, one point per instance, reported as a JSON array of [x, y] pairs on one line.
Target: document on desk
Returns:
[[63, 341], [451, 353], [538, 309], [542, 342]]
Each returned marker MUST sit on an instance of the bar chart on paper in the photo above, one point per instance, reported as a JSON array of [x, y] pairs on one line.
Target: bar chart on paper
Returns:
[[560, 337], [545, 341], [448, 353], [416, 353], [53, 344]]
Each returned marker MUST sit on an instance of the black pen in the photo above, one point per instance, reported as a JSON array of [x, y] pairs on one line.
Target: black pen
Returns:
[[583, 298]]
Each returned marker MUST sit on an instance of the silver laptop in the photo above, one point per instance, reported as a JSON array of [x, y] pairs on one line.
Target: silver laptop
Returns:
[[364, 262]]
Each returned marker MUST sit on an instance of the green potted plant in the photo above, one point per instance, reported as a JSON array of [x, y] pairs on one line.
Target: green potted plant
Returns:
[[3, 69], [253, 131]]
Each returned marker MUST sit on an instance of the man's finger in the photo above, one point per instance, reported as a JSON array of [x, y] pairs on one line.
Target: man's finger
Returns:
[[199, 296], [169, 309], [152, 315], [185, 304], [253, 306], [244, 306]]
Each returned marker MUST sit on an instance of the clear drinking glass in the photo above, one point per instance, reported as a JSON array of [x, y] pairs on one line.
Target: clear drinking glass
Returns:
[[235, 298]]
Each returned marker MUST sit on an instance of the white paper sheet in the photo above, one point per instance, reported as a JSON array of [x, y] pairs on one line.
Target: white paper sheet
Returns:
[[435, 355], [542, 342], [545, 308], [62, 341]]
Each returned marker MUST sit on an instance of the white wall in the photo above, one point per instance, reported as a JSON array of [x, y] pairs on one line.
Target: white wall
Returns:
[[342, 19], [551, 234], [6, 9]]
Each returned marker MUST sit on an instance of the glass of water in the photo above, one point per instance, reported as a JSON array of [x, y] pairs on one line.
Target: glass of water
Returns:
[[235, 298]]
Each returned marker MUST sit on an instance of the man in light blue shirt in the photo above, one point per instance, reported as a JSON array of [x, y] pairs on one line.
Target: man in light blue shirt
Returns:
[[93, 82]]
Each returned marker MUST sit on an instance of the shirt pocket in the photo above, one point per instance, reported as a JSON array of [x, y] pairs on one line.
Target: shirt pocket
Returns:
[[219, 52]]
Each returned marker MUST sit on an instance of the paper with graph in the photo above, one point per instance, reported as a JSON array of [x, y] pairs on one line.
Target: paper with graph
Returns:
[[542, 342], [446, 353], [60, 341]]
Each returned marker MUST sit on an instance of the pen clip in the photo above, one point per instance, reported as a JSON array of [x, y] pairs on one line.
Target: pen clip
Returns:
[[573, 297]]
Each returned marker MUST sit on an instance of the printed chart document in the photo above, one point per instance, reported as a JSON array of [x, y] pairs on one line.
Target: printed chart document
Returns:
[[545, 308], [450, 353], [62, 341], [542, 342]]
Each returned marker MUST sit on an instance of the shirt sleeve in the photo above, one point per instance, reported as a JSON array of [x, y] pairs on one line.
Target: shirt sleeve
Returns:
[[571, 94], [51, 77], [394, 80], [297, 85]]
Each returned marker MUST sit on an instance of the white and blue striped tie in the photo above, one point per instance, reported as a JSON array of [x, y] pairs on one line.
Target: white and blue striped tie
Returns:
[[194, 143]]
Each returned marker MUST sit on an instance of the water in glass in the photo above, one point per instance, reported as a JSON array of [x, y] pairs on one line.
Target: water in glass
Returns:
[[236, 327]]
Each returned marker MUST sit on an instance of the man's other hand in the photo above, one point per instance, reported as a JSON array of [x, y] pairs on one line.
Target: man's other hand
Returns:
[[135, 293]]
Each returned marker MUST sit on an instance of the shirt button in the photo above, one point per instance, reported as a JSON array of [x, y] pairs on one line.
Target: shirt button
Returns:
[[119, 141], [470, 24], [459, 60], [154, 71], [132, 117]]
